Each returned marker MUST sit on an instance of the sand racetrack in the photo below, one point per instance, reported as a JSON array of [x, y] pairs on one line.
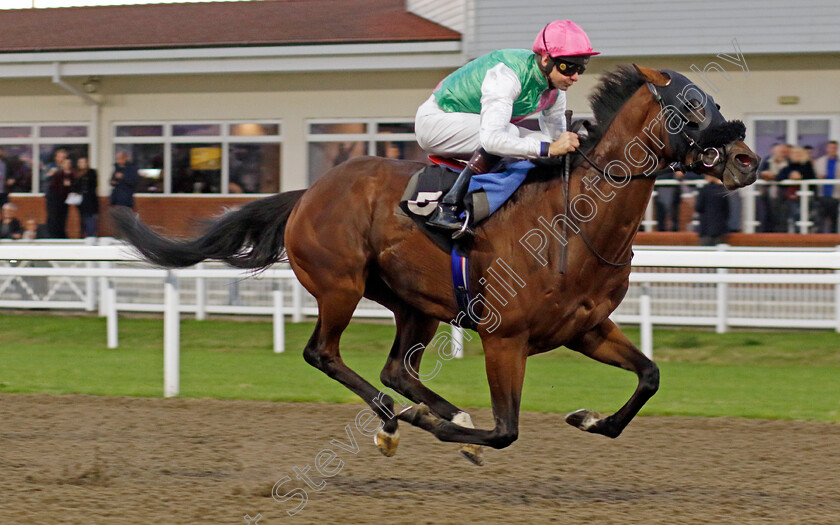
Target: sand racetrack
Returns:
[[81, 459]]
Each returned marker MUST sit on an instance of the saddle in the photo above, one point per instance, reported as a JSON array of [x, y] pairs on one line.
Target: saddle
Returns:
[[487, 192]]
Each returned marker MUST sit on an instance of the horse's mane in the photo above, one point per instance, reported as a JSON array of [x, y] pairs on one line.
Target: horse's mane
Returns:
[[612, 91]]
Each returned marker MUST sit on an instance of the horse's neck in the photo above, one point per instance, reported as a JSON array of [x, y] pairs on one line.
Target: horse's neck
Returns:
[[619, 208]]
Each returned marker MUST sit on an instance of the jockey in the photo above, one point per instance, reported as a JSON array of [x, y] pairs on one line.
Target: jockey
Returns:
[[475, 109]]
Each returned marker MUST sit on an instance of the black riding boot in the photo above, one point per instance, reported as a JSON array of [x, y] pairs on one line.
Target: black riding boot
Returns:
[[446, 215]]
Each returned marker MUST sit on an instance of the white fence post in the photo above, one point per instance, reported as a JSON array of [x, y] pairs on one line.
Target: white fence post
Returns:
[[646, 326], [171, 336], [722, 297], [90, 281], [297, 302], [111, 308], [200, 295], [279, 318], [749, 210], [458, 341], [103, 290], [804, 223], [103, 282]]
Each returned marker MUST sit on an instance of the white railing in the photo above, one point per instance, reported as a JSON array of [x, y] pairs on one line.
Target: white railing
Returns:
[[801, 223], [720, 287]]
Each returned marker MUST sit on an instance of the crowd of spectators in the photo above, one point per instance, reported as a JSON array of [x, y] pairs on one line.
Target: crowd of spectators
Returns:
[[777, 206], [68, 183]]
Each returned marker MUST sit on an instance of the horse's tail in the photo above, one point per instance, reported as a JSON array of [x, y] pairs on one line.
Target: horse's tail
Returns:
[[251, 237]]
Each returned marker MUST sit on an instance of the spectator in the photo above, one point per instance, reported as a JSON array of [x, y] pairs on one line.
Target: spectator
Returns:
[[7, 177], [735, 211], [124, 180], [668, 198], [770, 205], [85, 185], [712, 206], [32, 230], [800, 167], [51, 167], [10, 227], [58, 187], [829, 195]]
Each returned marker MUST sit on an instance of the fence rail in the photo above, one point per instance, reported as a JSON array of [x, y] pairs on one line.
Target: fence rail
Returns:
[[802, 214], [719, 287]]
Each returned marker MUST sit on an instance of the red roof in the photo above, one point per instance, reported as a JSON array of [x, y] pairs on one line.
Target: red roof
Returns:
[[215, 24]]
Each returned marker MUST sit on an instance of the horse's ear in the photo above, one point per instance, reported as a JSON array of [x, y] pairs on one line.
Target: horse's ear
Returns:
[[657, 78]]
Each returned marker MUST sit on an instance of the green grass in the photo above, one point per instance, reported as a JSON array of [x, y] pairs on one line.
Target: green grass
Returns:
[[778, 375]]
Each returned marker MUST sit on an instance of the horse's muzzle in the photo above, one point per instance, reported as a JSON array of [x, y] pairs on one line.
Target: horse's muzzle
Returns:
[[741, 167]]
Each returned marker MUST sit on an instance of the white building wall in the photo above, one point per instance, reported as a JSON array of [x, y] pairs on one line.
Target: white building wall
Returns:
[[448, 13], [665, 27]]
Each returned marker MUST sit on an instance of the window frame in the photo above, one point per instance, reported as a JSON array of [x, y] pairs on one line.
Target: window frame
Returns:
[[370, 138], [224, 138], [790, 129], [36, 141]]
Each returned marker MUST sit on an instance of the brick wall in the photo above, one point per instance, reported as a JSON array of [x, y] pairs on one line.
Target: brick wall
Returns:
[[175, 215], [180, 216]]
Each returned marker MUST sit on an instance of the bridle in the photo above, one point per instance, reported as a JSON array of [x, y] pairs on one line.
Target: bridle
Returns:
[[708, 157]]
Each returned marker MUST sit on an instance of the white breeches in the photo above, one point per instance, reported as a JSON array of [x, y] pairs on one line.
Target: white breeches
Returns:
[[456, 134]]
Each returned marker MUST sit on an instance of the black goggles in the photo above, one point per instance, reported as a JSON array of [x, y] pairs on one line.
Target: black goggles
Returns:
[[568, 68]]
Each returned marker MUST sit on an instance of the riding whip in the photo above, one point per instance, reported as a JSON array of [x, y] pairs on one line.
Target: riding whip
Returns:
[[564, 248]]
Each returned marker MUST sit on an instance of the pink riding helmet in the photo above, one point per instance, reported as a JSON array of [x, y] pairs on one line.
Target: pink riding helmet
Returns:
[[563, 38]]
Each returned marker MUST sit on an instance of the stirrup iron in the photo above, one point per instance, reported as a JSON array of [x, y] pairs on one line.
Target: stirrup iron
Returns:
[[465, 229]]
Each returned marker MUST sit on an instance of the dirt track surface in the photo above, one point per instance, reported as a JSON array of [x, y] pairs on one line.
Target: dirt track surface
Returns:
[[79, 459]]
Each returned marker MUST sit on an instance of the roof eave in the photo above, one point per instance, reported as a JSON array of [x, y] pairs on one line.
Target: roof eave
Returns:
[[235, 59]]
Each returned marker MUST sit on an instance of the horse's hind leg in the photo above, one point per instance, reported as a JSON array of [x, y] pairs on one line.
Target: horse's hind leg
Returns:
[[606, 343], [401, 372], [335, 309]]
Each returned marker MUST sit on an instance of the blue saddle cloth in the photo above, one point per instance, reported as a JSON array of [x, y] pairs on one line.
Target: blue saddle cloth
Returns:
[[490, 190]]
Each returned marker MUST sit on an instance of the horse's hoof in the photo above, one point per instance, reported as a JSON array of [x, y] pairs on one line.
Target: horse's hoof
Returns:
[[470, 451], [474, 453], [387, 443], [583, 419]]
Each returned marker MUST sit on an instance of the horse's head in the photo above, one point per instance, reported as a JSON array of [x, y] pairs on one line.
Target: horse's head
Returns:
[[697, 134]]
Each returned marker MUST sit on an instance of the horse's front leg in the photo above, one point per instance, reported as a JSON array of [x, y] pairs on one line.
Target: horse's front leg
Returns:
[[607, 344], [504, 361]]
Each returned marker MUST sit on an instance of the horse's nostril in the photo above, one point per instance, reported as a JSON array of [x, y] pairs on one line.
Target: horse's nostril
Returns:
[[744, 159]]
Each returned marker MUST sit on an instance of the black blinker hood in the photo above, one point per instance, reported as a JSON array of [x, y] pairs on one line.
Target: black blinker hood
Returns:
[[703, 122]]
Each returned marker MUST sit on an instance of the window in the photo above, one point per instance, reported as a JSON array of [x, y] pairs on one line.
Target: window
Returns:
[[803, 130], [332, 142], [31, 148], [204, 157]]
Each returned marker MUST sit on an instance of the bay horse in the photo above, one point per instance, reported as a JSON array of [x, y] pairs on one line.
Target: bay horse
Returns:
[[345, 241]]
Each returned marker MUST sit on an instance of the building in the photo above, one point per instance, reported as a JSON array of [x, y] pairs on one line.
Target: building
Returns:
[[220, 102]]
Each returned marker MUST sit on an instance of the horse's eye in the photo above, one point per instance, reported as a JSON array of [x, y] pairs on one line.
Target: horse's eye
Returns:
[[696, 111]]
